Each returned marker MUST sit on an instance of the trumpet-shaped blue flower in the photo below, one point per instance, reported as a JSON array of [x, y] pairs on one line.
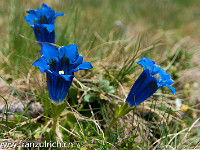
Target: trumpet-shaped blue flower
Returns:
[[42, 16], [163, 79], [148, 82], [42, 22], [60, 65]]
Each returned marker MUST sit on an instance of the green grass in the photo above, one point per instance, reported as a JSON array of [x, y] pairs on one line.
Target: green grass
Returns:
[[113, 35]]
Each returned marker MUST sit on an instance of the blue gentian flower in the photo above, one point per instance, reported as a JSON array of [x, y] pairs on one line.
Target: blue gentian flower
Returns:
[[148, 82], [60, 65], [42, 22], [42, 16], [163, 79]]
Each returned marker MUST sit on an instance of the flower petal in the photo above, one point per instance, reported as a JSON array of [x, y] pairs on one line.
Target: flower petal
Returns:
[[44, 6], [164, 75], [142, 89], [67, 77], [78, 61], [49, 27], [59, 14], [58, 87], [173, 90], [32, 17], [49, 51], [169, 82], [165, 80], [41, 63], [43, 35], [83, 66], [147, 63], [70, 51]]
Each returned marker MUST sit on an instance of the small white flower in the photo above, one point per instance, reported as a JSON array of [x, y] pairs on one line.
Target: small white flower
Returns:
[[178, 104]]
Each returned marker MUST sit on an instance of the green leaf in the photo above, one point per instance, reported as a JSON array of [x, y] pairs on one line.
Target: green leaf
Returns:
[[104, 83], [122, 110], [71, 122], [95, 89], [105, 86], [72, 96], [90, 98], [110, 89]]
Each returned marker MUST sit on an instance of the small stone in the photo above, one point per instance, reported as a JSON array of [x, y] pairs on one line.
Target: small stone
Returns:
[[11, 109], [35, 109], [19, 108]]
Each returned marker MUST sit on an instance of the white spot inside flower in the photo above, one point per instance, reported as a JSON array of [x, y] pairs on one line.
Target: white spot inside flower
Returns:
[[157, 76], [61, 72]]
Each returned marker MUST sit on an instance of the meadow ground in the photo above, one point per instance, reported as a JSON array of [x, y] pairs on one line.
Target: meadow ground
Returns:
[[112, 35]]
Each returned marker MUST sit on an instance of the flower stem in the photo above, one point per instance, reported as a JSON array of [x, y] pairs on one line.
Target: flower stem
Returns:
[[111, 124], [54, 125]]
